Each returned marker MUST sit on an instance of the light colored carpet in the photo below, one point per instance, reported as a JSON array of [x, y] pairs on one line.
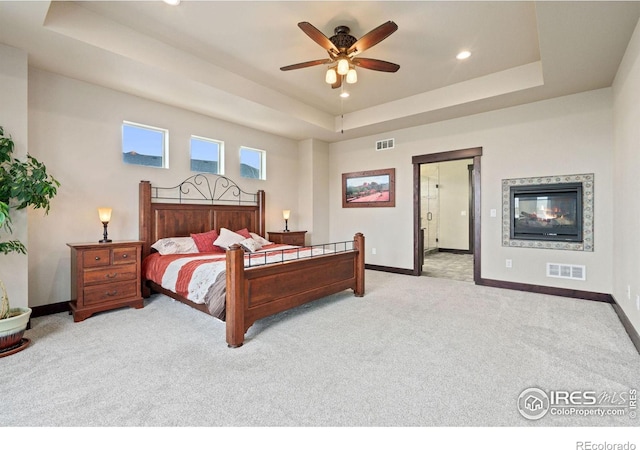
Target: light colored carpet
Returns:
[[414, 351]]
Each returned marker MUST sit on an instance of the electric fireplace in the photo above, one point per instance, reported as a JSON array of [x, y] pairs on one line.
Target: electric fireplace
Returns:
[[547, 212]]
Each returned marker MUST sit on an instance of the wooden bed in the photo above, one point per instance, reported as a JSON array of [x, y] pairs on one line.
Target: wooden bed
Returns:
[[202, 203]]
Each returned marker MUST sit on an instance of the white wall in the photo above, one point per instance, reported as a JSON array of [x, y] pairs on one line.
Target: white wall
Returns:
[[626, 202], [568, 135], [13, 119], [75, 128]]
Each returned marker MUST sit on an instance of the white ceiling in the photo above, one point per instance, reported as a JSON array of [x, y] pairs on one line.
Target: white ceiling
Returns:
[[222, 58]]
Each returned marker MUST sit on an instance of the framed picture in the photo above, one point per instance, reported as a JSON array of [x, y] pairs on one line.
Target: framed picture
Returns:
[[372, 188]]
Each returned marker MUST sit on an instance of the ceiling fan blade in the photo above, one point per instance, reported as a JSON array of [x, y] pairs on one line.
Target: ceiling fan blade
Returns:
[[302, 65], [376, 64], [372, 38], [318, 37]]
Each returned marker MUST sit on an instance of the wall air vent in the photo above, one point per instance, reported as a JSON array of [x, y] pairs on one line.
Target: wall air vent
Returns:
[[385, 144], [566, 271]]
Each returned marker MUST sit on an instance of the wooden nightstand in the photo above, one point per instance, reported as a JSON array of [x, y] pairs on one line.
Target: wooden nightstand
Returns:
[[104, 277], [287, 237]]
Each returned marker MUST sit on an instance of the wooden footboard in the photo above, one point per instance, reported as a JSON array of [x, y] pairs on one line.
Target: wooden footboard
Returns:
[[257, 292]]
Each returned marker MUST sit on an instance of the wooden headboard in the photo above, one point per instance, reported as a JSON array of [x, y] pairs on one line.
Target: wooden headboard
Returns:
[[200, 203]]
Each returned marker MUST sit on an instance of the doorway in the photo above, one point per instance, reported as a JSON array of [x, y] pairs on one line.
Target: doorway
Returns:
[[434, 230]]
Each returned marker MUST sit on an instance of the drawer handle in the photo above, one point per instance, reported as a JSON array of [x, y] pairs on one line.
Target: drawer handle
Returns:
[[112, 293], [125, 256], [111, 275], [97, 258]]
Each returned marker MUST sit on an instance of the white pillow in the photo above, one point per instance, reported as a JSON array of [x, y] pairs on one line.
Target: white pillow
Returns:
[[175, 245], [227, 238], [250, 245], [260, 240]]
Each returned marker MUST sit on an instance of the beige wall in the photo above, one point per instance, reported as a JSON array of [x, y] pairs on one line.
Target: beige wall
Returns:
[[13, 119], [626, 201], [313, 200], [454, 204], [568, 135], [75, 128]]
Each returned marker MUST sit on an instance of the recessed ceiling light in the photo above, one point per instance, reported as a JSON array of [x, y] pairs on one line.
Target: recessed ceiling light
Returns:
[[344, 94], [463, 55], [172, 2]]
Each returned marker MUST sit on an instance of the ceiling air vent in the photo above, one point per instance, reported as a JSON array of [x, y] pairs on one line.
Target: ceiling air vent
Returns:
[[385, 144], [566, 271]]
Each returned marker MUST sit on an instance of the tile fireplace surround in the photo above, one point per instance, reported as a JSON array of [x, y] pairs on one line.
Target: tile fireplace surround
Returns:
[[587, 181]]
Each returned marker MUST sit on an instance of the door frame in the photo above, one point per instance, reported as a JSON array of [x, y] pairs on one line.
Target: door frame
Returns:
[[453, 155]]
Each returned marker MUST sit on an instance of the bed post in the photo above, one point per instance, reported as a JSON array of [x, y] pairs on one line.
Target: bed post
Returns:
[[144, 224], [359, 245], [261, 214], [235, 302]]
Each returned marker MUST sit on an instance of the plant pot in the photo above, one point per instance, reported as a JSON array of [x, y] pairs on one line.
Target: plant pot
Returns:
[[12, 328]]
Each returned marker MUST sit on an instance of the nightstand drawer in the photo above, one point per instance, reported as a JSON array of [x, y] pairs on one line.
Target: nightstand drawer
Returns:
[[108, 292], [296, 239], [287, 237], [124, 255], [111, 274], [96, 258]]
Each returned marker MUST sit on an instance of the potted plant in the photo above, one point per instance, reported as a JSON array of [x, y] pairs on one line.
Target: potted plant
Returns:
[[22, 184]]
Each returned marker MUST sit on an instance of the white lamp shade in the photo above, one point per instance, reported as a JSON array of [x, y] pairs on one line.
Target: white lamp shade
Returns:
[[352, 76], [343, 66], [331, 76], [285, 214], [105, 214]]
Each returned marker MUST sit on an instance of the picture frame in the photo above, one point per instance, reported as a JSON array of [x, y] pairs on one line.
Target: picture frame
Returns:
[[369, 189]]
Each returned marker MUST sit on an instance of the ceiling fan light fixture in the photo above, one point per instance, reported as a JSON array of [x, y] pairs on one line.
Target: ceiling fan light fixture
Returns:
[[343, 66], [331, 77], [352, 76]]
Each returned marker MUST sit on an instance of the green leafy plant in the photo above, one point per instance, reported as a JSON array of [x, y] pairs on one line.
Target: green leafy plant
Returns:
[[22, 184]]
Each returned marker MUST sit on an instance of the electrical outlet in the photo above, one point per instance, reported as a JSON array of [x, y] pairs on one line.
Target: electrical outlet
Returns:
[[638, 302], [508, 263], [628, 292], [373, 251]]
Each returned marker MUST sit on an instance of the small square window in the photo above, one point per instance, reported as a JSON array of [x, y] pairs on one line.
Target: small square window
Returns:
[[145, 145], [253, 163], [207, 155]]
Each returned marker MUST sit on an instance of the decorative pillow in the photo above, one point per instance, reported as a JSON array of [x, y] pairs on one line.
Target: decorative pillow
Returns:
[[227, 238], [204, 241], [175, 245], [260, 240], [250, 245], [244, 232]]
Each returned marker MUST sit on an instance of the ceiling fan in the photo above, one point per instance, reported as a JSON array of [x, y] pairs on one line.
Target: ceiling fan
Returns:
[[343, 48]]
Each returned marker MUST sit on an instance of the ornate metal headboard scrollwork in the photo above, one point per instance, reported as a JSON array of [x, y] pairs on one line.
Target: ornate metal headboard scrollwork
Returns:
[[201, 188]]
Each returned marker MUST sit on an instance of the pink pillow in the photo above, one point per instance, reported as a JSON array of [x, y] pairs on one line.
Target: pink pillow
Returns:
[[244, 233], [204, 241]]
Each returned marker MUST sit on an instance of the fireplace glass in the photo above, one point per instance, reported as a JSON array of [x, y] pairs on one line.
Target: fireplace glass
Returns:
[[550, 212]]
